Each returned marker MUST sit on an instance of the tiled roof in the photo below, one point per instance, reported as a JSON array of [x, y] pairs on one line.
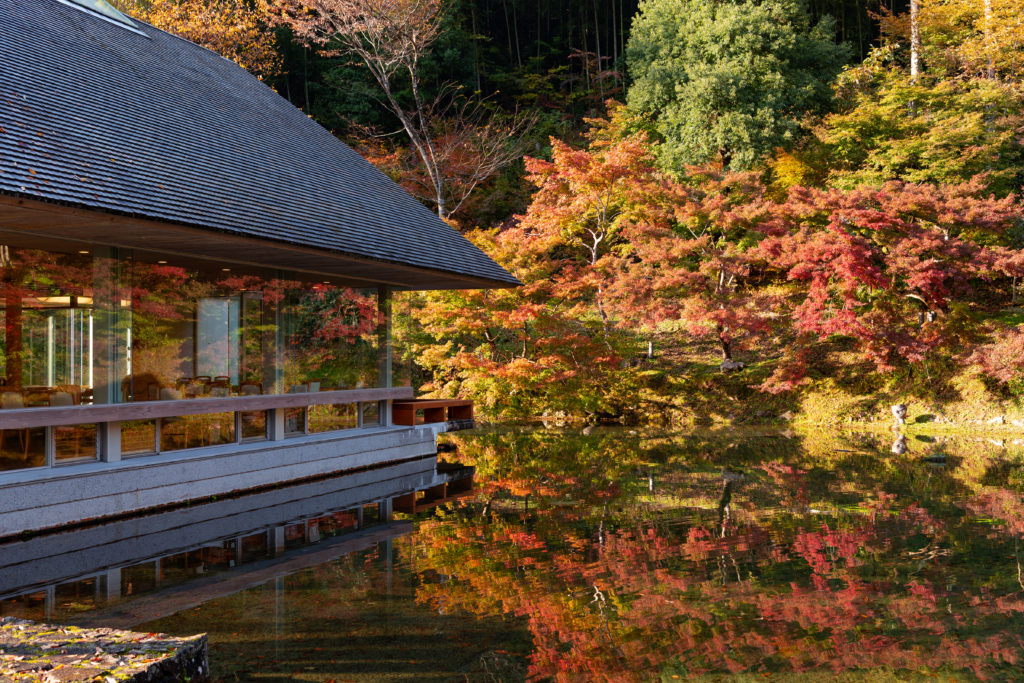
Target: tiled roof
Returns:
[[147, 124]]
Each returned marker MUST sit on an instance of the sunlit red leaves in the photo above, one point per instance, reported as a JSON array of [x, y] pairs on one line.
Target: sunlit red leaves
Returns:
[[1003, 357], [346, 314], [887, 266]]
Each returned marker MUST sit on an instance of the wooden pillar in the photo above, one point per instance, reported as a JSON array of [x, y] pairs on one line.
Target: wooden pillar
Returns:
[[109, 434], [113, 581], [384, 338], [13, 329], [277, 539], [276, 424]]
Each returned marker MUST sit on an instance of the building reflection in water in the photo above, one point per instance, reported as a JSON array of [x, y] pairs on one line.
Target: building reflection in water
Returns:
[[134, 570]]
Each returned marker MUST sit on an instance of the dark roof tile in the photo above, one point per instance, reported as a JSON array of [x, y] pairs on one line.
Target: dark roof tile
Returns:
[[154, 126]]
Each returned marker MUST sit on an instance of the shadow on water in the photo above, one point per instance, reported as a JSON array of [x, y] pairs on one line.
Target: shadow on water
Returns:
[[344, 622]]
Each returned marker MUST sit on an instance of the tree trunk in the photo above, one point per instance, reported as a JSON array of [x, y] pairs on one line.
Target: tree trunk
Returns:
[[515, 27], [915, 40], [860, 31], [430, 159], [599, 300], [585, 56], [991, 71], [615, 38], [305, 79], [725, 344], [476, 45], [623, 37], [539, 18], [597, 49], [725, 507], [508, 29]]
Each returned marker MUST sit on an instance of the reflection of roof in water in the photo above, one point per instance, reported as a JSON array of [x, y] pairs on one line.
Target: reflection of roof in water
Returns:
[[289, 519], [162, 603]]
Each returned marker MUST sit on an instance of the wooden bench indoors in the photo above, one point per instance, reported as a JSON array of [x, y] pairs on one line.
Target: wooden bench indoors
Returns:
[[406, 412]]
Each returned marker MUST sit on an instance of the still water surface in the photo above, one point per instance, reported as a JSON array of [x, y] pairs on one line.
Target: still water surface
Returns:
[[629, 556]]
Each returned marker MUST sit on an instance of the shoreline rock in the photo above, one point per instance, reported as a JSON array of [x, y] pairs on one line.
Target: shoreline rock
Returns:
[[30, 651]]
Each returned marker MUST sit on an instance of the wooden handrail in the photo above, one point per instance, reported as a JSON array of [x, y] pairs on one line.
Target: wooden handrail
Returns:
[[26, 418]]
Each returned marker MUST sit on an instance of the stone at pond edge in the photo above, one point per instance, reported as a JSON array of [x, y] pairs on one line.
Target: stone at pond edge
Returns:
[[731, 366], [30, 651]]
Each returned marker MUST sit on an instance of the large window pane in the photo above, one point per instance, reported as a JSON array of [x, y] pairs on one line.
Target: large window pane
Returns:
[[331, 337], [74, 442], [64, 342], [196, 431], [83, 325], [371, 414], [138, 437], [21, 448]]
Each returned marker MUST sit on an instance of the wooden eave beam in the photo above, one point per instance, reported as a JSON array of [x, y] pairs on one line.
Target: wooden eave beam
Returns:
[[39, 219]]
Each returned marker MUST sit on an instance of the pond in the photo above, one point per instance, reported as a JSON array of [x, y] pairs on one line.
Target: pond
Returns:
[[607, 555]]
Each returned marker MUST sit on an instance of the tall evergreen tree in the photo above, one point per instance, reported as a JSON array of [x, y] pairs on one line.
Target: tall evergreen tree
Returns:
[[729, 79]]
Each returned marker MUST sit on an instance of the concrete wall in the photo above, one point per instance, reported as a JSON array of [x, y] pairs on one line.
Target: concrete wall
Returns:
[[32, 500]]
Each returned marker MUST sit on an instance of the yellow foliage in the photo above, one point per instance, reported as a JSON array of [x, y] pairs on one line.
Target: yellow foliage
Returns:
[[801, 167], [235, 29], [978, 37]]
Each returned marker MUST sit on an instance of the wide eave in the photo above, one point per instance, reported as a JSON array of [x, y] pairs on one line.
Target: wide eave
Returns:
[[30, 223]]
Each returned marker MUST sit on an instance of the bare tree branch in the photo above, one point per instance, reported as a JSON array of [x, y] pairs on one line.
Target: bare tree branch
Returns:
[[457, 142]]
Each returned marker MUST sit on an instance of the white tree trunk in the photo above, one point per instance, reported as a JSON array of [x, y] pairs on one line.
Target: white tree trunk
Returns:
[[915, 40]]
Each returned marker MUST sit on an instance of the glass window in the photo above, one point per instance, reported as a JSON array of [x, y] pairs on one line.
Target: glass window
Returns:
[[93, 325], [331, 337], [329, 418], [371, 414]]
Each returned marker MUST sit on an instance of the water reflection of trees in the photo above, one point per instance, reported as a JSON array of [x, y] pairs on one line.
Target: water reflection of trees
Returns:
[[835, 556], [99, 325], [312, 330]]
